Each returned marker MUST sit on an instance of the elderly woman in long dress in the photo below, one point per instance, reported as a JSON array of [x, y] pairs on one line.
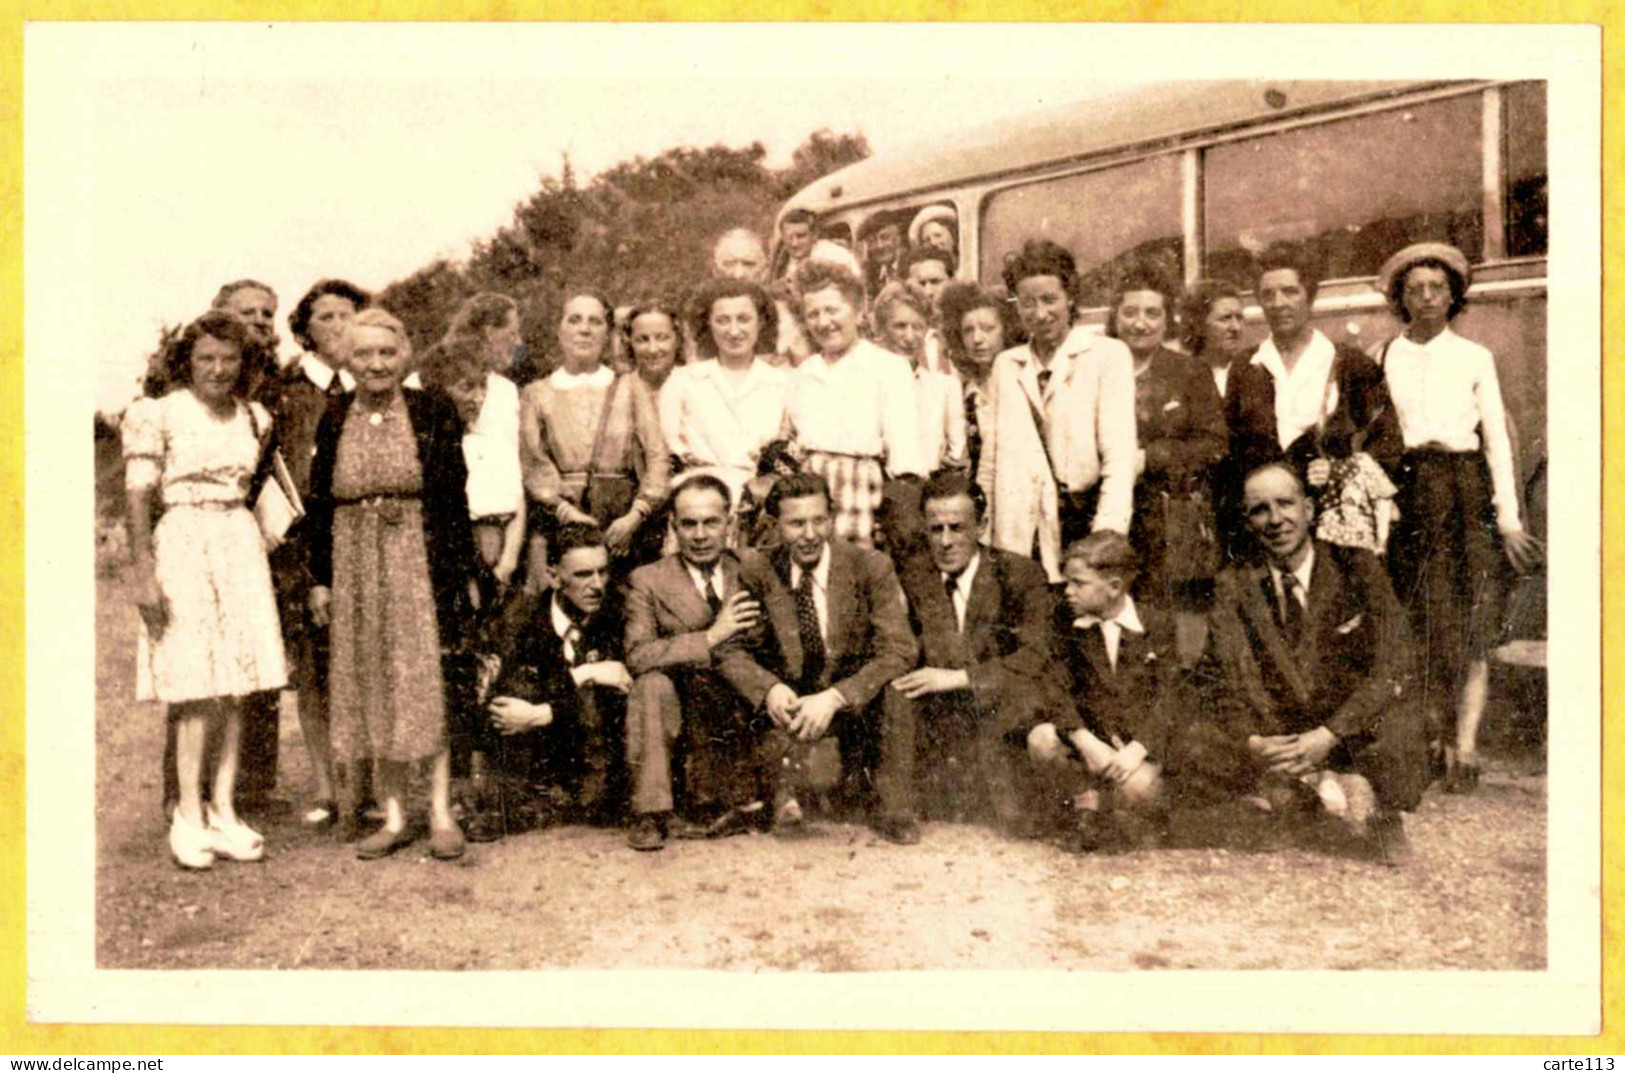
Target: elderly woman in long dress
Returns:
[[851, 407], [1060, 462], [390, 552], [1458, 495], [210, 634]]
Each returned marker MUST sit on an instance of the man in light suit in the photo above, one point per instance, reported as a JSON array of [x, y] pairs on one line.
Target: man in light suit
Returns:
[[982, 617], [1313, 666], [694, 636], [842, 633]]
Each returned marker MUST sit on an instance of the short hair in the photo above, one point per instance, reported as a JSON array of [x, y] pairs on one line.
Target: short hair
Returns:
[[644, 307], [877, 223], [1141, 278], [1107, 552], [713, 291], [452, 359], [1194, 306], [1041, 257], [480, 313], [835, 253], [817, 275], [702, 482], [892, 294], [796, 486], [960, 297], [174, 367], [1278, 464], [915, 255], [299, 319], [1396, 288], [379, 317], [571, 294], [1280, 256], [740, 233], [570, 536], [798, 216], [223, 295], [949, 484]]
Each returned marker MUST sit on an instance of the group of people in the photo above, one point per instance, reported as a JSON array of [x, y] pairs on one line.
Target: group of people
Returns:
[[859, 538]]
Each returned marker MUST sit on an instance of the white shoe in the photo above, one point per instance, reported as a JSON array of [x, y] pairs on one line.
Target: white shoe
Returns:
[[190, 844], [235, 840]]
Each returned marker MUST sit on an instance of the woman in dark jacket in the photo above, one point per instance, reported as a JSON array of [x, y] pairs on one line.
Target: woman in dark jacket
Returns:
[[390, 547], [1179, 425]]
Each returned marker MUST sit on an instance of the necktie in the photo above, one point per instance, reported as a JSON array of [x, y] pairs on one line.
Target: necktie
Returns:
[[973, 431], [950, 585], [1043, 380], [812, 638], [572, 645], [711, 596], [335, 387], [1291, 609]]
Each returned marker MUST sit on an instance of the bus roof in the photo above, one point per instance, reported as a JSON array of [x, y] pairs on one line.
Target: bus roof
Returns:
[[1138, 117]]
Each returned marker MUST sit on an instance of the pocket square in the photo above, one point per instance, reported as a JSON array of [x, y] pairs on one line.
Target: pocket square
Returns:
[[1172, 404], [1352, 624]]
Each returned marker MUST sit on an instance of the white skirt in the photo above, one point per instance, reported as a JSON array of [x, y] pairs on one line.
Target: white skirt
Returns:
[[223, 638]]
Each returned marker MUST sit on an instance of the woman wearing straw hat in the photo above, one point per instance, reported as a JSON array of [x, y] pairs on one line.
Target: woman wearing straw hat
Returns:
[[1457, 489]]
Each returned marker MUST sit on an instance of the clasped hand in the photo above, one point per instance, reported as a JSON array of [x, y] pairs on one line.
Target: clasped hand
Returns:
[[805, 717], [1293, 754], [513, 716]]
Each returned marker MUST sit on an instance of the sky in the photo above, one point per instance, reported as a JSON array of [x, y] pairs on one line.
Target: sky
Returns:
[[163, 159]]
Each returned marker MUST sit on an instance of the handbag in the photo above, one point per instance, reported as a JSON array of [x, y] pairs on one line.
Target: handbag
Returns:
[[608, 496], [275, 499]]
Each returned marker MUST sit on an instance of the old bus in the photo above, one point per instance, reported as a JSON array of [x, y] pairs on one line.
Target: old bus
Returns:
[[1198, 177]]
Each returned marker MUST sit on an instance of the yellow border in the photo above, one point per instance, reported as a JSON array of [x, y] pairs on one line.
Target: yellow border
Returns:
[[17, 1036]]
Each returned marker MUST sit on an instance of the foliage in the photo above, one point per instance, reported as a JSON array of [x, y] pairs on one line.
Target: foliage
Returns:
[[642, 229]]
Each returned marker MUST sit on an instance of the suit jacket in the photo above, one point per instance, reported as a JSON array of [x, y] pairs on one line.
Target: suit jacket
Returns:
[[1179, 419], [869, 642], [536, 669], [1005, 649], [447, 535], [1353, 662], [1364, 418], [1140, 699], [666, 620]]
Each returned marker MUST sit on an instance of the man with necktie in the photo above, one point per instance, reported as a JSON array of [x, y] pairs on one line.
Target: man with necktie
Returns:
[[1122, 686], [557, 720], [695, 645], [837, 615], [982, 617], [1313, 672]]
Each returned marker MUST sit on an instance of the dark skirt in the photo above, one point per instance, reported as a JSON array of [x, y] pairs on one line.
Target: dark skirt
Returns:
[[1446, 563]]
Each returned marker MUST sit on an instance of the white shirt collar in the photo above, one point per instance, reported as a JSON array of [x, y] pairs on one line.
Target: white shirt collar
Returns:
[[1302, 573], [600, 377], [321, 374], [562, 622], [820, 571], [1319, 352], [1127, 617], [966, 576], [699, 576]]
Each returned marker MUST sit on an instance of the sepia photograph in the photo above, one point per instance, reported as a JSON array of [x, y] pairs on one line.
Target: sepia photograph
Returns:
[[814, 526]]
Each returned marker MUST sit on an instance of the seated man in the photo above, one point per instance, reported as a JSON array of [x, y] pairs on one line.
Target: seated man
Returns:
[[560, 696], [1122, 681], [1313, 675], [982, 617], [837, 615], [680, 612]]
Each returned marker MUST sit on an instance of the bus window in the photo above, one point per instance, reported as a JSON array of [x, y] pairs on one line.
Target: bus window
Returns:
[[1355, 190], [1525, 128], [1107, 219]]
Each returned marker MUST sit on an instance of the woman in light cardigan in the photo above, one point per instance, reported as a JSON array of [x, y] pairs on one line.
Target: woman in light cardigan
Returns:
[[1059, 462]]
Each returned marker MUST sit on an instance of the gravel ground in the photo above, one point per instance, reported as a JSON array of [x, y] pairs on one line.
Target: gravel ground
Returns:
[[1473, 896]]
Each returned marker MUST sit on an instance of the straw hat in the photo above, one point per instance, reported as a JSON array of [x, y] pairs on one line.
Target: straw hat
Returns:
[[945, 213], [1397, 265]]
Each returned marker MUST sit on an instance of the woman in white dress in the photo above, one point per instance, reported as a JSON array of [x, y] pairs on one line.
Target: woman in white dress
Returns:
[[719, 412], [210, 634]]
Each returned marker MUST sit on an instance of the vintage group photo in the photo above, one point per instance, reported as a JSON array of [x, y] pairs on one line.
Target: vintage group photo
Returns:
[[1101, 531]]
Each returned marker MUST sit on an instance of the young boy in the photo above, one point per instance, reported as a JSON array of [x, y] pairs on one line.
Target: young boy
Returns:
[[1122, 677]]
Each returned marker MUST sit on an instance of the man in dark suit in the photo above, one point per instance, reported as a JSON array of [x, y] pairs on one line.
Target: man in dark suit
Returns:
[[1314, 672], [982, 617], [837, 615], [689, 682], [559, 709], [1122, 681]]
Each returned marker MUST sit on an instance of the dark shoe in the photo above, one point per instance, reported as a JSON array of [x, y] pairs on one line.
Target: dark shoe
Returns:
[[898, 830], [737, 821], [322, 816], [1085, 834], [382, 842], [1462, 778], [486, 826], [1389, 844], [446, 843], [688, 830], [647, 835]]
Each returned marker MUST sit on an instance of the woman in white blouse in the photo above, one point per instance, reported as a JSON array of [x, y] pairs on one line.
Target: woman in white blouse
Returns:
[[719, 412], [851, 407], [902, 323], [1457, 489]]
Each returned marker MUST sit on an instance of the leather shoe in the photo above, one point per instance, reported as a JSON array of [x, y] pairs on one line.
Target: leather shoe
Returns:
[[446, 843], [737, 821], [647, 835], [898, 830], [1086, 834], [486, 826], [1389, 843], [687, 830], [382, 842]]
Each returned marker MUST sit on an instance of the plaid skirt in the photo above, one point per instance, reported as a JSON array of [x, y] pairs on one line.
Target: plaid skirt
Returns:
[[856, 486]]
